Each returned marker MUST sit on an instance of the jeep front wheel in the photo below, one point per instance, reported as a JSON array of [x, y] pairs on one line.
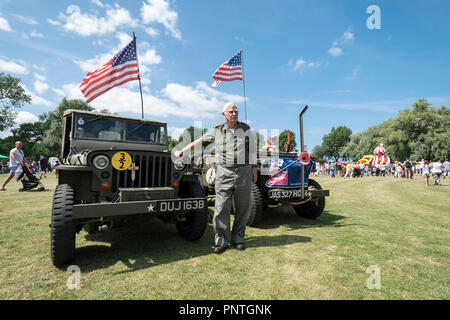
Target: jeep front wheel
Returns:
[[314, 208], [196, 221], [62, 227]]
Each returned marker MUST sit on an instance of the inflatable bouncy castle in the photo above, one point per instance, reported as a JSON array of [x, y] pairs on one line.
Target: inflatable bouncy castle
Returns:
[[379, 156], [366, 159]]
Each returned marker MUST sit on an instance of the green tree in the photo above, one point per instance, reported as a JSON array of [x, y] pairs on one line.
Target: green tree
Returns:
[[172, 142], [334, 143], [417, 132], [12, 97], [106, 111], [318, 152]]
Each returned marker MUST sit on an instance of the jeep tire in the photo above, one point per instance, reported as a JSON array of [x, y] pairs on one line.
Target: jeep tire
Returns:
[[312, 209], [62, 227], [196, 220], [256, 207]]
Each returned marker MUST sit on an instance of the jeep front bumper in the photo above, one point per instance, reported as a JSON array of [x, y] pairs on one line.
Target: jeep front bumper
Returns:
[[163, 206]]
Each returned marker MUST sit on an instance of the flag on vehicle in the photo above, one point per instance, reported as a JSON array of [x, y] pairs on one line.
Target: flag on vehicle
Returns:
[[229, 71], [123, 67]]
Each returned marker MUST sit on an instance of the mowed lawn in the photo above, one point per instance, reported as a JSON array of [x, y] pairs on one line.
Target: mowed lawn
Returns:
[[400, 226]]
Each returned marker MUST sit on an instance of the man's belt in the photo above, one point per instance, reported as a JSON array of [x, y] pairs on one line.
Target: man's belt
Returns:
[[229, 166]]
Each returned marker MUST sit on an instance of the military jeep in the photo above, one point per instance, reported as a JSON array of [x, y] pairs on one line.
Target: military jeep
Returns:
[[306, 195], [115, 169]]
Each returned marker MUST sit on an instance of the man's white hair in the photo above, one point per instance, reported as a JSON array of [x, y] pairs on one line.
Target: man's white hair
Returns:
[[229, 104]]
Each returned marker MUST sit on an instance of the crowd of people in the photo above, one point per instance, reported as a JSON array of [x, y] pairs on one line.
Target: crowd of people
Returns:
[[41, 166], [407, 169], [17, 160]]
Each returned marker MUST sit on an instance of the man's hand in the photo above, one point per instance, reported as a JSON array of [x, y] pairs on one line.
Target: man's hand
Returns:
[[178, 153], [255, 175]]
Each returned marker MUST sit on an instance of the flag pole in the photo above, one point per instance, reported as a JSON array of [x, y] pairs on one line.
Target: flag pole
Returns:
[[140, 86], [243, 82]]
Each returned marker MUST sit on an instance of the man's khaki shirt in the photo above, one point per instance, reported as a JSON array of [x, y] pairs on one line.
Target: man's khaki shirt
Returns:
[[232, 148]]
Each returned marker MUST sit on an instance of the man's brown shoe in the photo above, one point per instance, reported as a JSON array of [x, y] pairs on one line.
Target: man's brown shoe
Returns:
[[239, 246], [219, 249]]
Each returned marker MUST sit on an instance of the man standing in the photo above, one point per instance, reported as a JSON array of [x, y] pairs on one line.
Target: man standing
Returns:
[[436, 170], [236, 171], [408, 166], [16, 159], [43, 166]]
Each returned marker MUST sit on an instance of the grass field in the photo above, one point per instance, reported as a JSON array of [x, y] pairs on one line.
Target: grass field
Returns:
[[400, 226]]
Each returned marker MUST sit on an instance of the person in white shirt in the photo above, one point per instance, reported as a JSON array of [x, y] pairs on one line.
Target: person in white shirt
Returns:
[[16, 159], [421, 164], [446, 168], [436, 170]]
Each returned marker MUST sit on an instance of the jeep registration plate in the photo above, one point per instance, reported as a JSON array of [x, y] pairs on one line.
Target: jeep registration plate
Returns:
[[288, 194], [176, 205]]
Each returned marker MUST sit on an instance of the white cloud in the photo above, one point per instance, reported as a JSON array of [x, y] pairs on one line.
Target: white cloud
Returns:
[[354, 73], [175, 132], [314, 64], [26, 19], [158, 11], [37, 100], [39, 68], [301, 63], [346, 38], [22, 117], [25, 117], [53, 22], [86, 24], [36, 34], [97, 3], [17, 67], [100, 59], [4, 25], [335, 51], [151, 31], [40, 77], [149, 57], [40, 86]]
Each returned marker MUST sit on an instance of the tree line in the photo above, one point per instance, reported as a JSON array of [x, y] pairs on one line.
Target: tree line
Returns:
[[419, 132]]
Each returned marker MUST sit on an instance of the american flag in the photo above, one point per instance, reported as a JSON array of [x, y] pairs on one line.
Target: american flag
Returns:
[[117, 71], [230, 70]]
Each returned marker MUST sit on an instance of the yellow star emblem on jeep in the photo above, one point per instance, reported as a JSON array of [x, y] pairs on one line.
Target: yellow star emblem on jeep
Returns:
[[121, 160]]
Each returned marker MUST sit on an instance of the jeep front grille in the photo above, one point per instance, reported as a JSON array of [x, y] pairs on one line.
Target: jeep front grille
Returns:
[[152, 170]]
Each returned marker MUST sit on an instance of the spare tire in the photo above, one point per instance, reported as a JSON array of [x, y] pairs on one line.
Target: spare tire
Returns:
[[256, 207]]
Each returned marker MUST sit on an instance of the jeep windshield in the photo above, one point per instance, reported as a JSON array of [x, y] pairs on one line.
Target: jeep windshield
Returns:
[[111, 129]]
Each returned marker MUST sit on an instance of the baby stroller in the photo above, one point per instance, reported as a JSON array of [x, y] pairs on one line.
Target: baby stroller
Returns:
[[357, 172], [29, 180]]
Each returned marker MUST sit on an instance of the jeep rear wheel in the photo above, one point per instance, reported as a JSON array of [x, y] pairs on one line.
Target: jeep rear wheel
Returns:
[[256, 207], [196, 220], [62, 235], [312, 209]]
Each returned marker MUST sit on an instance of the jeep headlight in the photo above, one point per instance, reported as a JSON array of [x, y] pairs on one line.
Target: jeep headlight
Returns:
[[101, 162], [179, 164]]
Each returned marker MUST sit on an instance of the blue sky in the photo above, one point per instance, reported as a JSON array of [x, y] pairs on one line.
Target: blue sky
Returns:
[[319, 53]]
